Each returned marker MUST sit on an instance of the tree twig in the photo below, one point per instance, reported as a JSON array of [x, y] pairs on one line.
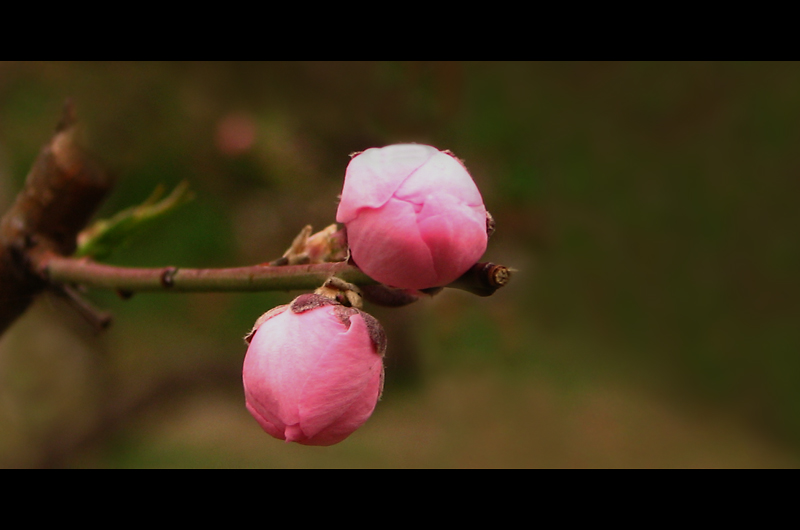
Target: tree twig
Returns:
[[99, 320], [482, 279], [59, 269]]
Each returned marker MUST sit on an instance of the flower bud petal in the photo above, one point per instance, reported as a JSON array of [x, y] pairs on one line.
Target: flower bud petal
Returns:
[[414, 217], [313, 374], [374, 175]]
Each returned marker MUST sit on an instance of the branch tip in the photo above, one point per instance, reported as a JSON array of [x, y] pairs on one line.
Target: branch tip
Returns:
[[69, 116], [99, 320]]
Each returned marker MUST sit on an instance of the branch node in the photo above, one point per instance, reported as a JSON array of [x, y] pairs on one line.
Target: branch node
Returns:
[[168, 277]]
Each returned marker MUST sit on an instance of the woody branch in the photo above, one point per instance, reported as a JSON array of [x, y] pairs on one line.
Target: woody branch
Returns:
[[61, 193]]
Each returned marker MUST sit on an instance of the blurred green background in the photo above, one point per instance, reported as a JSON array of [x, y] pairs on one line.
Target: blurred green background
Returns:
[[649, 209]]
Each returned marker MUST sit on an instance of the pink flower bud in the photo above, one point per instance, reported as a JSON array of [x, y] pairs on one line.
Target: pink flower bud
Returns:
[[414, 217], [314, 370]]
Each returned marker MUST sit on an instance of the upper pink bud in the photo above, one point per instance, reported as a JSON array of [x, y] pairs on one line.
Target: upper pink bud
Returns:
[[314, 370], [414, 217]]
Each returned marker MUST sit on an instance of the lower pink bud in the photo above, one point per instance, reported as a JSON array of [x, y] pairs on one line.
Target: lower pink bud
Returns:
[[314, 371]]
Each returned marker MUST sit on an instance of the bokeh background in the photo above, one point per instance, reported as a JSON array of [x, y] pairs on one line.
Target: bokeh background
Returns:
[[649, 209]]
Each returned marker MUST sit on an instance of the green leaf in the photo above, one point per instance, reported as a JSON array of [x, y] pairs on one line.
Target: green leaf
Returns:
[[99, 240]]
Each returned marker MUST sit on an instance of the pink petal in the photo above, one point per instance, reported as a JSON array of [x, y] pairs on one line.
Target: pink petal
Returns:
[[455, 234], [373, 176], [343, 387], [352, 418], [259, 414], [273, 369], [386, 244], [441, 174]]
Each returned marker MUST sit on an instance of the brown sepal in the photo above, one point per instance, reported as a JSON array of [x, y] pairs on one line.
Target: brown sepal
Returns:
[[376, 333], [308, 301]]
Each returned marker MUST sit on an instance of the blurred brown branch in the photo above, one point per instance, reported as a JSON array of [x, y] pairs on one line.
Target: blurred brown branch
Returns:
[[64, 442], [61, 193]]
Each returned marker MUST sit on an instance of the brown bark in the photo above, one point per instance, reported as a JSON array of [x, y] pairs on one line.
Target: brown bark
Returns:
[[61, 193]]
